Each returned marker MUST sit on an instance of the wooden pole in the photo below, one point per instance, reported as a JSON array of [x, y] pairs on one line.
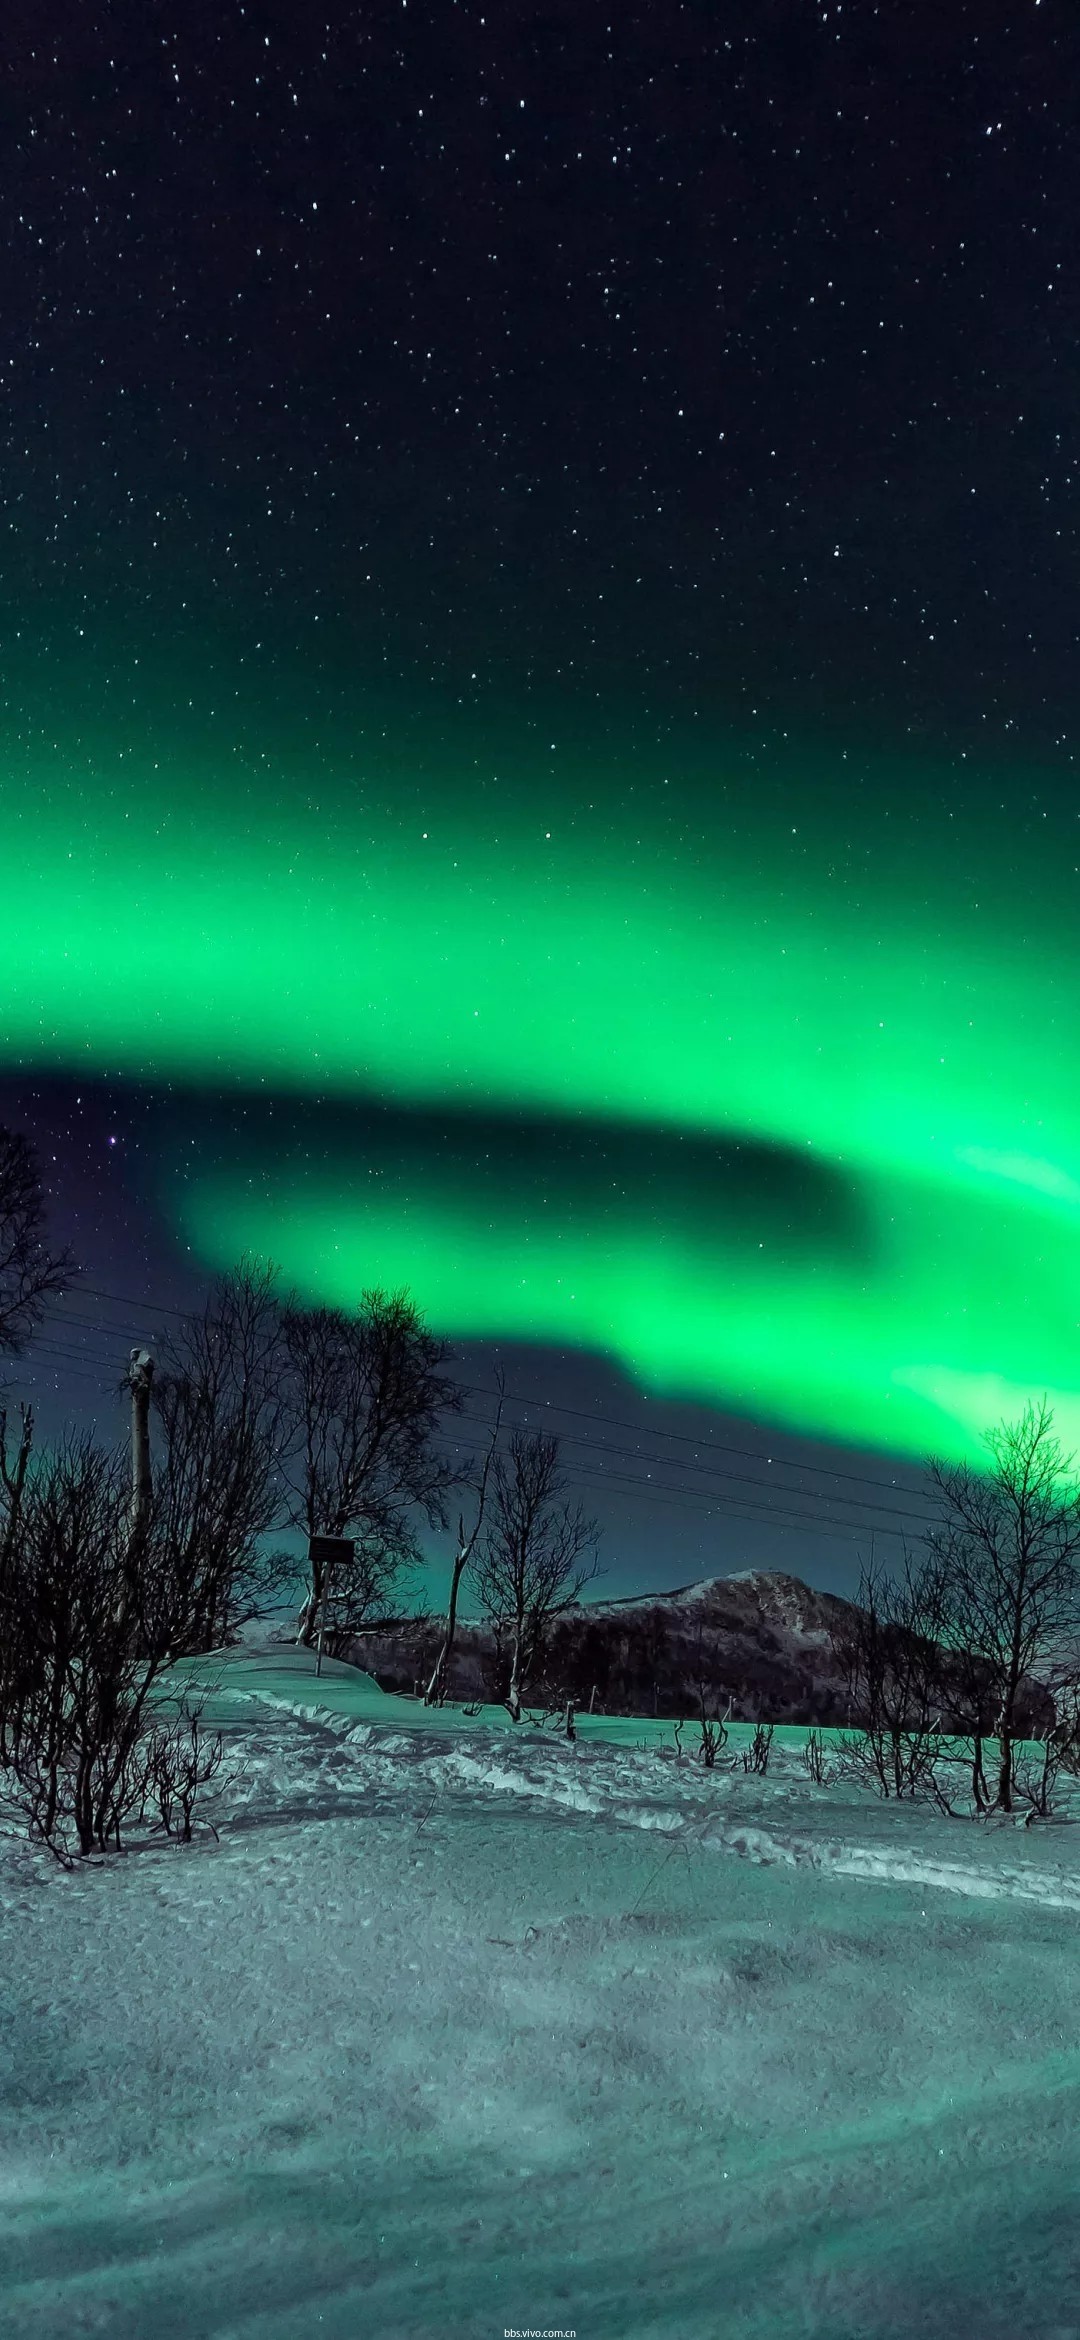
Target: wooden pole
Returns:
[[141, 1374], [322, 1614], [324, 1552]]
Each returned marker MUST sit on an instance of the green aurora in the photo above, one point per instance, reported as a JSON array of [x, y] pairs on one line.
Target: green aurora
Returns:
[[854, 974]]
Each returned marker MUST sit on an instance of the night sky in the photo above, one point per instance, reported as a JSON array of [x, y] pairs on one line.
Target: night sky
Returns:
[[539, 607]]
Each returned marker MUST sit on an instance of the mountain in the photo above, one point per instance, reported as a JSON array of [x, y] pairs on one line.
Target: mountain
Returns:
[[762, 1639]]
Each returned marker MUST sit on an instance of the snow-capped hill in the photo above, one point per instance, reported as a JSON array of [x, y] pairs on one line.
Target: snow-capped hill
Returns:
[[794, 1603], [760, 1639], [784, 1599]]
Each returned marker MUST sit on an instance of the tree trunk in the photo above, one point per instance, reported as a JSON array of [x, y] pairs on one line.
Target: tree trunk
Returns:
[[84, 1804], [309, 1612], [439, 1683], [513, 1695], [1005, 1760]]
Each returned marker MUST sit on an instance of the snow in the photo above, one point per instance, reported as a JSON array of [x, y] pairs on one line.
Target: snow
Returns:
[[461, 2028]]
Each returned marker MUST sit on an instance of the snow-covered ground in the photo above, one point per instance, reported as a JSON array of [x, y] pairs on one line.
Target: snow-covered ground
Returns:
[[461, 2029]]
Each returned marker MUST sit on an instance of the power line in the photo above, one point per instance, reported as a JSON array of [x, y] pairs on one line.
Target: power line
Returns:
[[78, 1362], [638, 1454], [698, 1500], [684, 1438], [665, 1489], [58, 1349], [739, 1478], [704, 1502], [126, 1300], [700, 1505], [84, 1372], [102, 1325], [550, 1405]]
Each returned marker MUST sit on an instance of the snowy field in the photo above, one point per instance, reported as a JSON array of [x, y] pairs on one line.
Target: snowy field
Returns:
[[460, 2029]]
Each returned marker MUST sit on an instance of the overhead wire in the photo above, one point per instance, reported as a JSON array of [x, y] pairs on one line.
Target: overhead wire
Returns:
[[699, 1502], [552, 1405], [701, 1498], [683, 1437], [739, 1478], [669, 1491]]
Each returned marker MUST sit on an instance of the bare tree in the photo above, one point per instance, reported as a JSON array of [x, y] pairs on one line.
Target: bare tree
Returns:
[[222, 1432], [366, 1395], [30, 1274], [812, 1757], [891, 1656], [699, 1675], [82, 1650], [13, 1474], [538, 1554], [13, 1470], [1007, 1545], [466, 1545]]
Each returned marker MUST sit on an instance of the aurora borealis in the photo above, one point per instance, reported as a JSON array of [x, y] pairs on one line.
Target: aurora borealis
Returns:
[[786, 1148], [540, 670]]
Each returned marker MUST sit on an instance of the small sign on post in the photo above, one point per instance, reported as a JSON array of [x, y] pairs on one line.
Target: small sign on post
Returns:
[[325, 1553]]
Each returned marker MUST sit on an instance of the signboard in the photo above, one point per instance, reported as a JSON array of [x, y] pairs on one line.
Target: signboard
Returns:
[[326, 1551]]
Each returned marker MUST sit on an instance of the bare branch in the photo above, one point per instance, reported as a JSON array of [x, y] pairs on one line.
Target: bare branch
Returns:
[[1006, 1547], [538, 1554], [30, 1274], [222, 1430], [365, 1394], [466, 1545]]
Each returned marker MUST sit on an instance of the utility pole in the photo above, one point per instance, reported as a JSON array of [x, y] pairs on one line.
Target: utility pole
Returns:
[[140, 1376]]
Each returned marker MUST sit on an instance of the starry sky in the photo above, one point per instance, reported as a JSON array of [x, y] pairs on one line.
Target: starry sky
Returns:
[[539, 715]]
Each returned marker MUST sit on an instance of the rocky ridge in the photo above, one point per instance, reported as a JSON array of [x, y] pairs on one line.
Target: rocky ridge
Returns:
[[761, 1639]]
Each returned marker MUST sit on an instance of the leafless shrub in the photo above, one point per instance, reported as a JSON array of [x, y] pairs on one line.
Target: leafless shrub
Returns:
[[89, 1612], [756, 1755], [73, 1681], [898, 1763], [1038, 1767], [893, 1660], [180, 1763], [812, 1758], [713, 1729]]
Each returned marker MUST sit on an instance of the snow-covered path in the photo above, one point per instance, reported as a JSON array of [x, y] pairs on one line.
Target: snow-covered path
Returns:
[[454, 2033]]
